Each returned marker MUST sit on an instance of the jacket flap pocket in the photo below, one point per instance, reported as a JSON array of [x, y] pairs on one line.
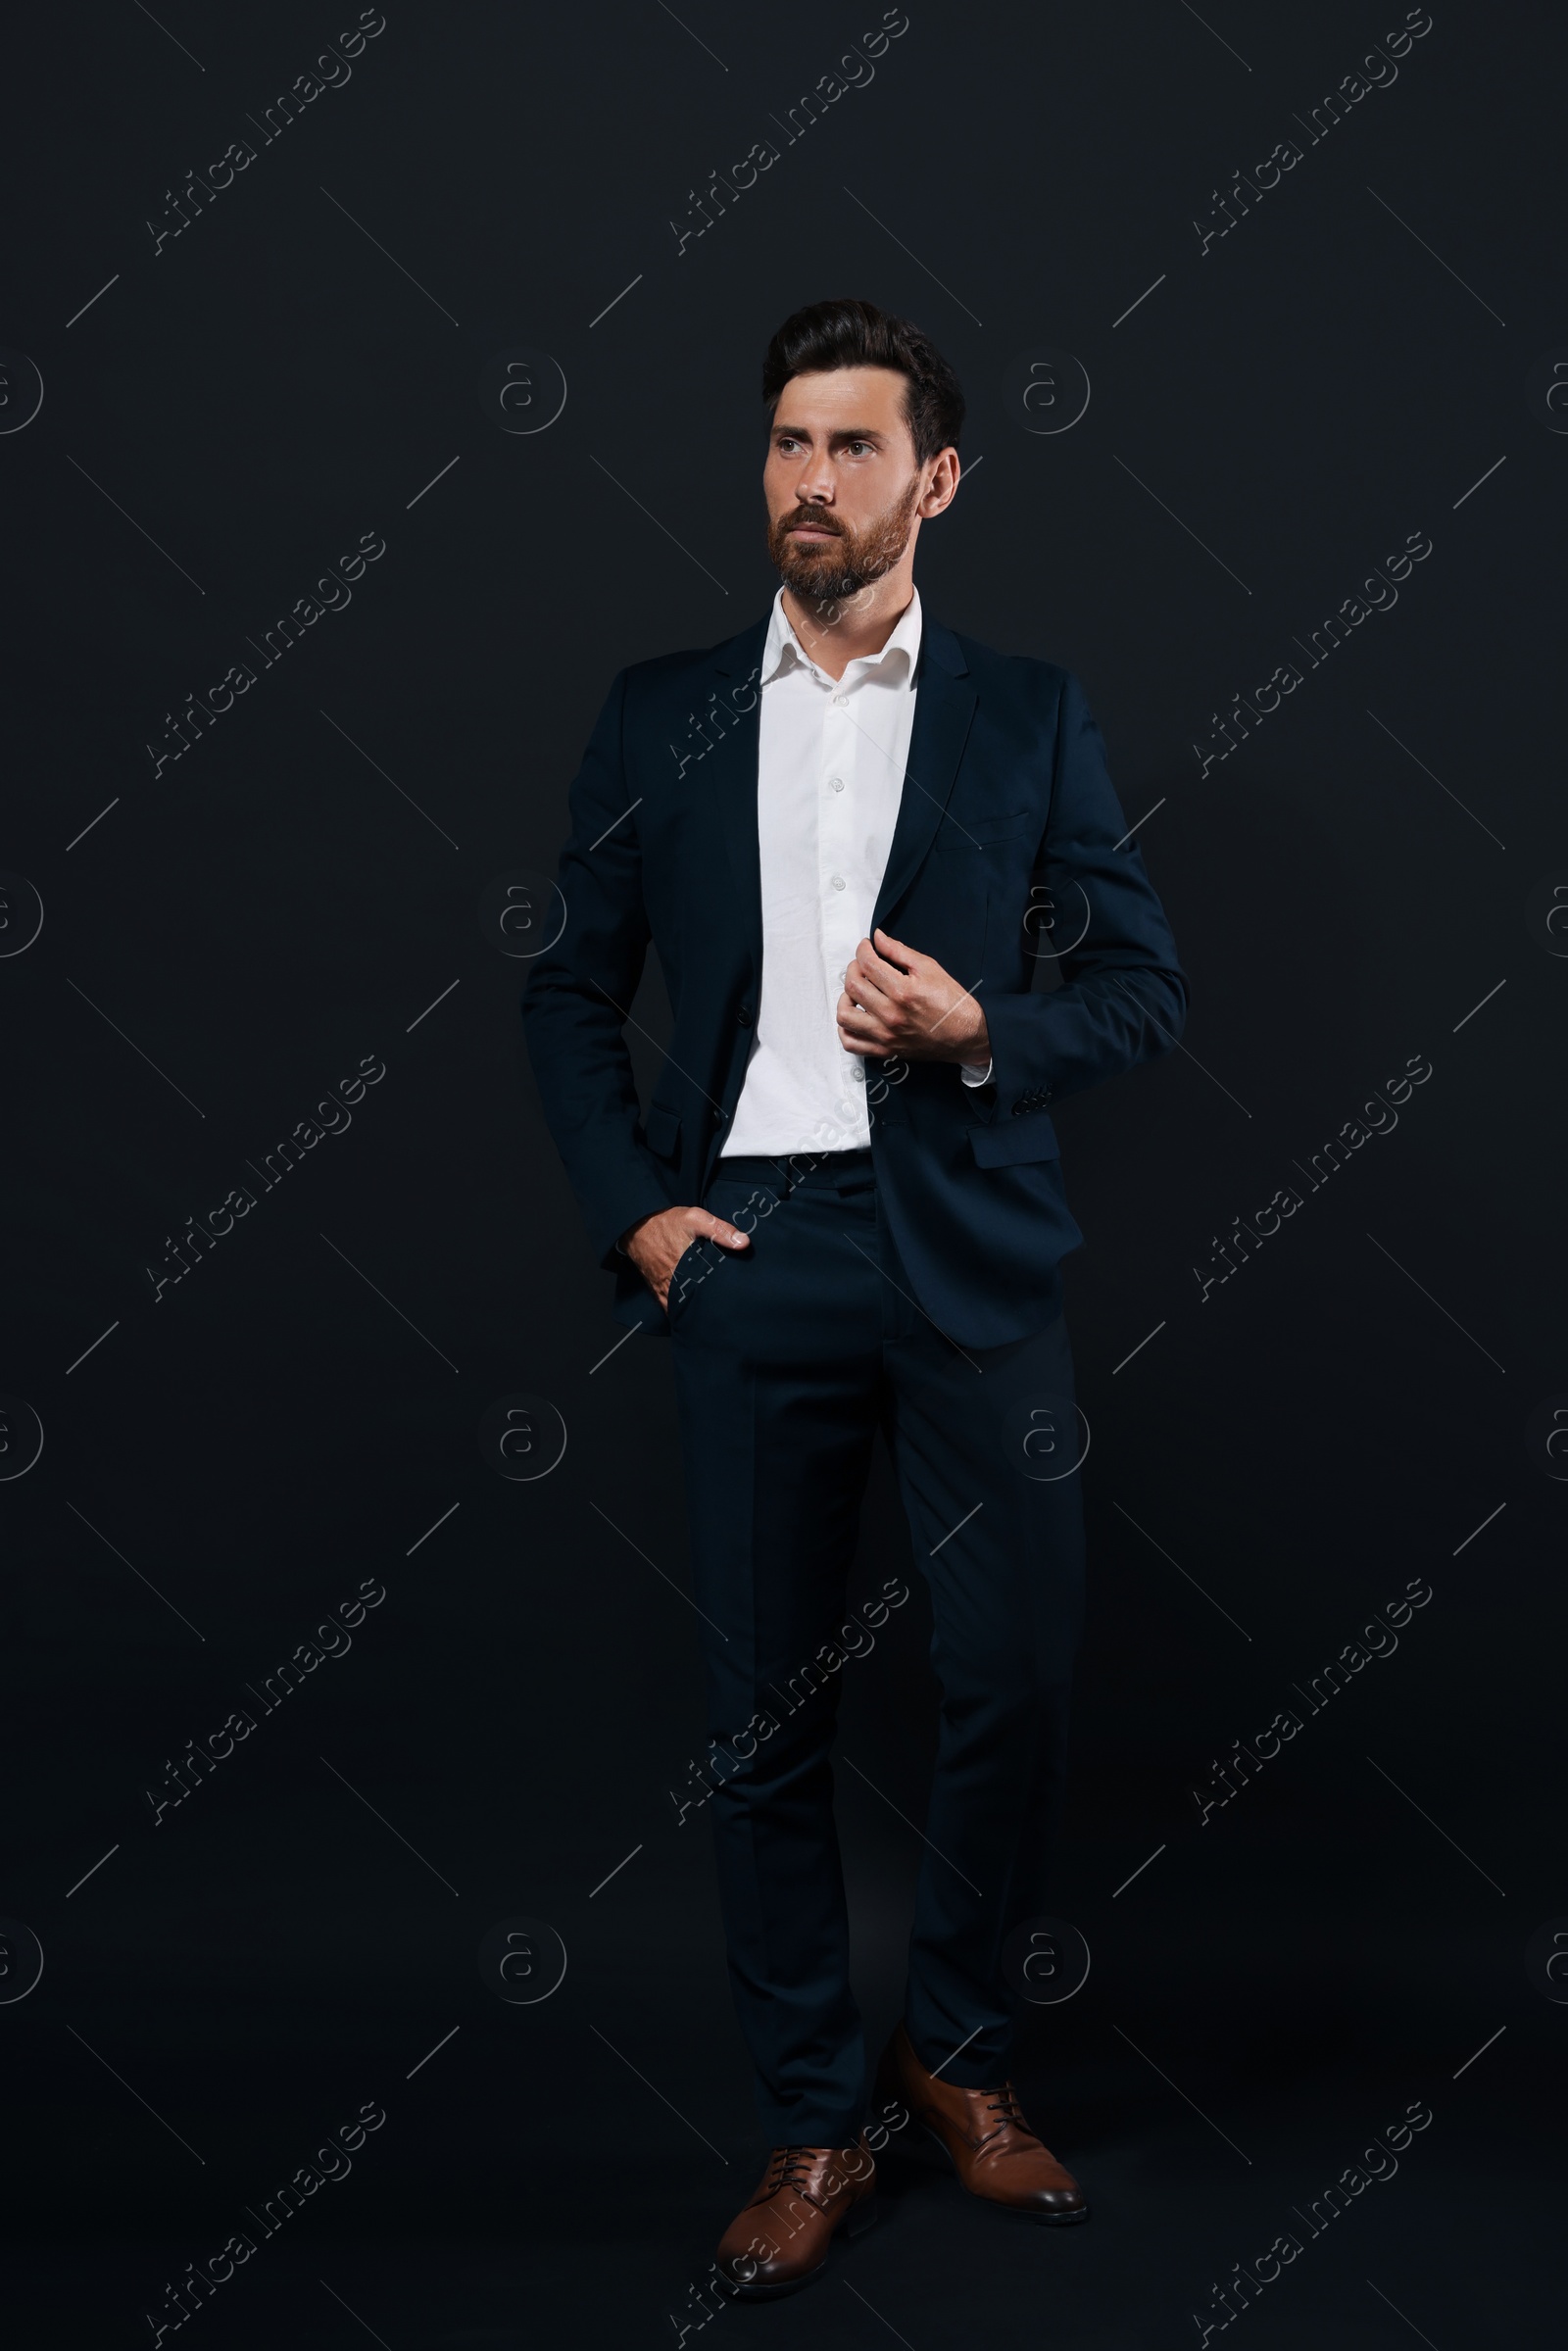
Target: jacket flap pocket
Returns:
[[1014, 1140], [663, 1129]]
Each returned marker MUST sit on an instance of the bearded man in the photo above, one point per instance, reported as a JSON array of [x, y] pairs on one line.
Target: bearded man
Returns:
[[899, 915]]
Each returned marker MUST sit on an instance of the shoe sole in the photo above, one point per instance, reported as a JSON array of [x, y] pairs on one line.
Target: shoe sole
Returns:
[[865, 2215]]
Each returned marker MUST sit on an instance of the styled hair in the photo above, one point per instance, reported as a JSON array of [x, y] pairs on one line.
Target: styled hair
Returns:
[[850, 334]]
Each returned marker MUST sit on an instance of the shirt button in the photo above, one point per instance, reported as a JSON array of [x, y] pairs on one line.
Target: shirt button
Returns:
[[835, 783], [841, 699], [839, 882]]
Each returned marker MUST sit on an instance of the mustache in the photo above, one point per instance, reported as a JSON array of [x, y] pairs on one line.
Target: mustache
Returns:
[[816, 516]]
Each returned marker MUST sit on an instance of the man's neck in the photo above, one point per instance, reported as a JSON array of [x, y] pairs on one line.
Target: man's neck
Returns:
[[837, 634]]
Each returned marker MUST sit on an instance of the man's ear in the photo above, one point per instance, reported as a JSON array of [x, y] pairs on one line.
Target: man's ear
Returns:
[[943, 486]]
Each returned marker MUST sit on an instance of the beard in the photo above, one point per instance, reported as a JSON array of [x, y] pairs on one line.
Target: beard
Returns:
[[831, 573]]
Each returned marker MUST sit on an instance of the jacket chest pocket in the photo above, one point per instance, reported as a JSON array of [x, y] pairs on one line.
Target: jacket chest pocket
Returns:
[[984, 832]]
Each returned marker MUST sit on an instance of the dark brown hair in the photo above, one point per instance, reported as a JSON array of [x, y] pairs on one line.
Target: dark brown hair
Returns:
[[851, 333]]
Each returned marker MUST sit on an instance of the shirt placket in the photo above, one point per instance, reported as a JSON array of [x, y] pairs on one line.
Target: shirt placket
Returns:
[[840, 876]]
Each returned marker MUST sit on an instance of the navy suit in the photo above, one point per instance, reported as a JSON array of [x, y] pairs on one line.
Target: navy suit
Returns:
[[911, 1286]]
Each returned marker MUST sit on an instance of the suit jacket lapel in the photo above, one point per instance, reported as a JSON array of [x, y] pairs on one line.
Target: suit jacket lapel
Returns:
[[731, 768], [944, 707]]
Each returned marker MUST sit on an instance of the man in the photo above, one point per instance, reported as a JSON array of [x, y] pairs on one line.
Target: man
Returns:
[[899, 915]]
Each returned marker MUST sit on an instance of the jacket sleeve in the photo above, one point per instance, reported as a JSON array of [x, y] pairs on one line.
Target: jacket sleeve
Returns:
[[1123, 997], [579, 995]]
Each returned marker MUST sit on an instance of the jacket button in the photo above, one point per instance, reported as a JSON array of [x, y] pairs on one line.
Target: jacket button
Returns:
[[718, 1118], [744, 1016]]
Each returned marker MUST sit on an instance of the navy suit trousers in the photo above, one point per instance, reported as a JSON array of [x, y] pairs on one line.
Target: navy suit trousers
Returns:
[[787, 1357]]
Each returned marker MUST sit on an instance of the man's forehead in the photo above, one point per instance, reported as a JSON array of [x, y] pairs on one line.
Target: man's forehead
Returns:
[[841, 397]]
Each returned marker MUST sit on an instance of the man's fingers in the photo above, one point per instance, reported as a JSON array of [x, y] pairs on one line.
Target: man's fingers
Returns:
[[713, 1228], [870, 975], [894, 951], [860, 1027]]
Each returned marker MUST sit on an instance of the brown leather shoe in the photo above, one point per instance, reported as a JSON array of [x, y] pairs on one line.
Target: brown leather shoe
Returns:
[[992, 2147], [782, 2239]]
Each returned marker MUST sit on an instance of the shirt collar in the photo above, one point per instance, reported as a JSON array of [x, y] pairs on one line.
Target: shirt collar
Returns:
[[783, 647]]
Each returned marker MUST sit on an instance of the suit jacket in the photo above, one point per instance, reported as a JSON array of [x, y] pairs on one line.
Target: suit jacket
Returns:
[[1006, 799]]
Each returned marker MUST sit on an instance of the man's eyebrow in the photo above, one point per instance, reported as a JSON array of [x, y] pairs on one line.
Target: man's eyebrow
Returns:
[[838, 432]]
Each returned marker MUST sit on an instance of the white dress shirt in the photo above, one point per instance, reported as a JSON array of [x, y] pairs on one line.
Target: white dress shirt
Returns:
[[831, 760]]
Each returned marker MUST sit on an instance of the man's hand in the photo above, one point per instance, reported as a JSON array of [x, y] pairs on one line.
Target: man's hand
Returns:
[[897, 1001], [658, 1243]]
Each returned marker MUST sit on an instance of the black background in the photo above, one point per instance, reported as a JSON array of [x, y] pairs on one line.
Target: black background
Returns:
[[300, 1410]]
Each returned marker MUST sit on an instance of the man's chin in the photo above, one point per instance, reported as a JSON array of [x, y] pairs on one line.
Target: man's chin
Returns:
[[818, 581]]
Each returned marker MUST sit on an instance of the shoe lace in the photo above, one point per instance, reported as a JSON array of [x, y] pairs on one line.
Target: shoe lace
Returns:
[[791, 2166], [1003, 2104]]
